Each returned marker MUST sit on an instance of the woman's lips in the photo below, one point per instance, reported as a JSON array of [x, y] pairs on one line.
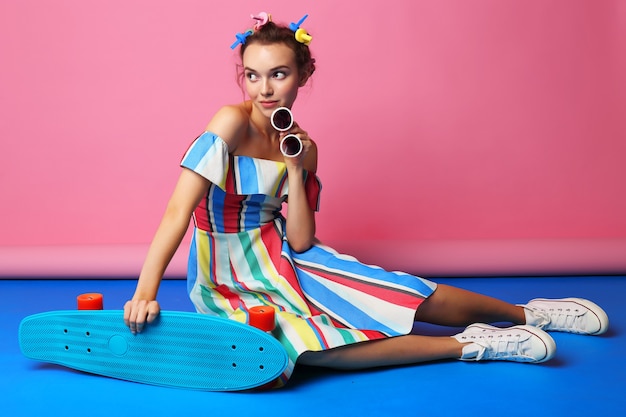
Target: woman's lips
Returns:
[[269, 104]]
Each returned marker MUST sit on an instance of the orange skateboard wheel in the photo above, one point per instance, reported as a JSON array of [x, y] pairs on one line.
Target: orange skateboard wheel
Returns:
[[262, 317], [90, 301]]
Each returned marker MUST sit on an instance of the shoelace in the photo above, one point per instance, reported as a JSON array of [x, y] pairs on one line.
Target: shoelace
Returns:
[[497, 346], [564, 318]]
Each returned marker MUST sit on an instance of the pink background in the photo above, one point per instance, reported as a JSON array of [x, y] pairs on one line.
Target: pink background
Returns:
[[456, 137]]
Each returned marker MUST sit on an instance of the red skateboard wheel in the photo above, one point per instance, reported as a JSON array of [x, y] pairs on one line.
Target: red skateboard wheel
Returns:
[[90, 301], [262, 317]]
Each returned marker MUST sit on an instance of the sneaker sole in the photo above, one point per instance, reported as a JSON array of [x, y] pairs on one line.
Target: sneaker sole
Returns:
[[595, 309], [545, 338]]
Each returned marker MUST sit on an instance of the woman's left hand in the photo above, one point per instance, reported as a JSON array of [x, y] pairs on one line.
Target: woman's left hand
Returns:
[[307, 146]]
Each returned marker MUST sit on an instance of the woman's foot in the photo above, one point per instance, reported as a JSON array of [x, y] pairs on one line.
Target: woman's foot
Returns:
[[518, 343], [572, 315]]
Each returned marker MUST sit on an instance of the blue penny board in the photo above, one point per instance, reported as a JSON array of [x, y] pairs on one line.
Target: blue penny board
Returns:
[[182, 350]]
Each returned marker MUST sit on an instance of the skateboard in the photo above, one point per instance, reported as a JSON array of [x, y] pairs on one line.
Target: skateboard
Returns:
[[179, 349]]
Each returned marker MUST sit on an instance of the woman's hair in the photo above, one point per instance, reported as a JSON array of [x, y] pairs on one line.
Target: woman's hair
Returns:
[[271, 33]]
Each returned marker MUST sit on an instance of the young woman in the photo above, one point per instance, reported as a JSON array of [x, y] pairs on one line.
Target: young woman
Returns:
[[331, 310]]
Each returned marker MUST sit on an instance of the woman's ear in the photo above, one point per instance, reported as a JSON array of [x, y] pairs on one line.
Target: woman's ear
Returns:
[[304, 77]]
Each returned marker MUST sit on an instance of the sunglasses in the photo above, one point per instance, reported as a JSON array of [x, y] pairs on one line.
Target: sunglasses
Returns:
[[282, 120]]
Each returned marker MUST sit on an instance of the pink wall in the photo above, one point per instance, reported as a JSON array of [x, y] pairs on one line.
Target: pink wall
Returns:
[[490, 135]]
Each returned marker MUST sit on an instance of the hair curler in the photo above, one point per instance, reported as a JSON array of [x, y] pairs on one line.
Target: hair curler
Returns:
[[282, 120]]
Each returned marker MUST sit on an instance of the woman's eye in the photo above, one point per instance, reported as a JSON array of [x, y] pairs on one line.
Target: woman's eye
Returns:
[[280, 75], [251, 76]]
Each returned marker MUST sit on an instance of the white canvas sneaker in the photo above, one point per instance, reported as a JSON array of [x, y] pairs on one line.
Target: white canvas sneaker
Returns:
[[518, 343], [573, 315]]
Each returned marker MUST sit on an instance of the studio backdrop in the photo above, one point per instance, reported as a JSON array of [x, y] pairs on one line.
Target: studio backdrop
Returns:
[[455, 137]]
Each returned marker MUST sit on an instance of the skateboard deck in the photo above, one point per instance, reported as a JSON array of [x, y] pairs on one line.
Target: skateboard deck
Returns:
[[179, 349]]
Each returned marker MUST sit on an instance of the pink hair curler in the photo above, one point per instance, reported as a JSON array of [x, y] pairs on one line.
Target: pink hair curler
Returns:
[[261, 19]]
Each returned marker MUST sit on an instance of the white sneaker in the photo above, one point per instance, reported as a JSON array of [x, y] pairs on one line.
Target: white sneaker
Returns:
[[573, 315], [518, 343]]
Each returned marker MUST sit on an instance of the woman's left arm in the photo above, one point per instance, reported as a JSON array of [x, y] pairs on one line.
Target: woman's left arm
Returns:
[[300, 216]]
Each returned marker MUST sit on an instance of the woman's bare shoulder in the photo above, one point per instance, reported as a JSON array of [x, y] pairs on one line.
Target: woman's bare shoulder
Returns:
[[230, 123]]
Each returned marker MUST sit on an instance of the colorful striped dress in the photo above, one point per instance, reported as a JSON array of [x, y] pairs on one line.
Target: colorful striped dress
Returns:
[[240, 258]]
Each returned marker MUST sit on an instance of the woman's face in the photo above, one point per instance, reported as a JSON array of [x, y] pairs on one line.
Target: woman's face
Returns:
[[271, 76]]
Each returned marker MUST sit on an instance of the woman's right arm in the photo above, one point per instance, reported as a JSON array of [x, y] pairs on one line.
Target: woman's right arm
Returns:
[[230, 123], [143, 307]]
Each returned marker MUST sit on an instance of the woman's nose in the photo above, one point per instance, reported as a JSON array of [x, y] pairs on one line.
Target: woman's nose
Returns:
[[267, 89]]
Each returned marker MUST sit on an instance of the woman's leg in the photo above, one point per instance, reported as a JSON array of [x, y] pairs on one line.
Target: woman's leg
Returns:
[[448, 306], [451, 306], [476, 343], [401, 350]]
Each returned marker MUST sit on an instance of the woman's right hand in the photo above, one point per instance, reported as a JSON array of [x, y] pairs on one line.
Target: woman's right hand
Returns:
[[139, 312]]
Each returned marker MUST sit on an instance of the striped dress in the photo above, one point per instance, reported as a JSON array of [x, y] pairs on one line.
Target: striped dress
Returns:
[[240, 258]]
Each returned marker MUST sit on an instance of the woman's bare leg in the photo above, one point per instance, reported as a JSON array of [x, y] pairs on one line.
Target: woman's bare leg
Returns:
[[401, 350], [451, 306]]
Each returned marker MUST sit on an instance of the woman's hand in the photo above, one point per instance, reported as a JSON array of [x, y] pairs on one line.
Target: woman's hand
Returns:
[[304, 159], [139, 312]]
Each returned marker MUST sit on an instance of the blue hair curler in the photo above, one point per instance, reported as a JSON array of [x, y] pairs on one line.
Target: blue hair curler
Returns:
[[296, 26]]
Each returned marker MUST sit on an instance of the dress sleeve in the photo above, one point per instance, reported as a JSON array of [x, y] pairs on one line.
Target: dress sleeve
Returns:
[[208, 156]]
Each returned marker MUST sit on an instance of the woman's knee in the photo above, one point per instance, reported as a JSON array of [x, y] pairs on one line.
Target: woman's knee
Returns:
[[323, 358]]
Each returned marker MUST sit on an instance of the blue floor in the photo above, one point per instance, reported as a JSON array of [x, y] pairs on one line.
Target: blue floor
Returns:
[[587, 377]]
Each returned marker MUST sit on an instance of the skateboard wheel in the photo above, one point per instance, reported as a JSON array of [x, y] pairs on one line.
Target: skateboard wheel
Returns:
[[262, 317], [90, 301]]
